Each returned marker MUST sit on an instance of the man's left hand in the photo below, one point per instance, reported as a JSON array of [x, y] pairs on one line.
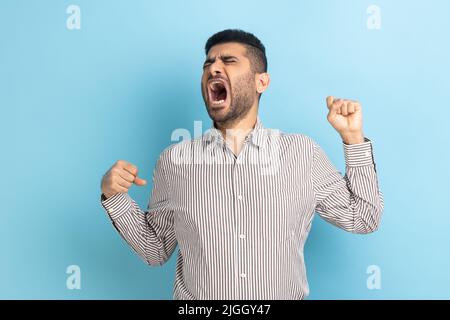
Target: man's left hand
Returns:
[[346, 117]]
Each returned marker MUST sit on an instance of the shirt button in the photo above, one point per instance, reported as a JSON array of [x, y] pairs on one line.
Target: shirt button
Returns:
[[242, 275], [111, 210], [367, 153], [240, 197], [242, 236]]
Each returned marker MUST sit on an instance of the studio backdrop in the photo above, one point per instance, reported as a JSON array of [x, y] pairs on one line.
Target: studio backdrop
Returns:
[[85, 83]]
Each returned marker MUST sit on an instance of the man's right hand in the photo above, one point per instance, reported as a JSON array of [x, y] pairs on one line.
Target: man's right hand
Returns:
[[119, 178]]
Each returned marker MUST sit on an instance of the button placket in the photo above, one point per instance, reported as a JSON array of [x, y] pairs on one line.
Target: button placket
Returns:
[[239, 199]]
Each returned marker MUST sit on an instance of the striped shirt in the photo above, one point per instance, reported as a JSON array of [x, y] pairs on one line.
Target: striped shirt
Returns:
[[241, 222]]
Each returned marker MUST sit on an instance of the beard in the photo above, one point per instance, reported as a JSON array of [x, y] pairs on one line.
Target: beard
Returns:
[[242, 99]]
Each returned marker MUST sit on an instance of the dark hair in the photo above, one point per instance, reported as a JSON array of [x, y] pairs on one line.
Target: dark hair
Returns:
[[255, 49]]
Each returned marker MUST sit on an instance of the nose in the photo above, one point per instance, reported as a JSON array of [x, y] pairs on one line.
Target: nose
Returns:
[[216, 68]]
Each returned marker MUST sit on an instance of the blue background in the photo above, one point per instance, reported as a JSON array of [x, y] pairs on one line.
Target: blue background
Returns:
[[75, 101]]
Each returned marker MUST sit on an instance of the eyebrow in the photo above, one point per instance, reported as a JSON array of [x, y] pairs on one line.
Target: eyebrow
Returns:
[[222, 57]]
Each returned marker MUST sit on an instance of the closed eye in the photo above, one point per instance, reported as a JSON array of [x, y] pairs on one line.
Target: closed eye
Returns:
[[225, 59]]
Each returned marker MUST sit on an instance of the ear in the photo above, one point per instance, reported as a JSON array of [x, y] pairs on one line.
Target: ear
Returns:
[[262, 81]]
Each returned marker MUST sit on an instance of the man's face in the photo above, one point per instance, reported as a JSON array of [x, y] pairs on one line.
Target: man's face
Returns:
[[228, 82]]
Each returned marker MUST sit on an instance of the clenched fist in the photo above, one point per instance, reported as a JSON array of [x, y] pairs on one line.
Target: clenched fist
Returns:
[[346, 117], [120, 178]]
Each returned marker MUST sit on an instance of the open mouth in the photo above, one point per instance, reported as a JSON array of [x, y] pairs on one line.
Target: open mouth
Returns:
[[217, 91]]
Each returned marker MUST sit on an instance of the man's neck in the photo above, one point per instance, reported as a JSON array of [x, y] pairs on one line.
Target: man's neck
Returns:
[[236, 132]]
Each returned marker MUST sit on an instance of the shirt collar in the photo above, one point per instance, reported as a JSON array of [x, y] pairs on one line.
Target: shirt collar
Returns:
[[257, 136]]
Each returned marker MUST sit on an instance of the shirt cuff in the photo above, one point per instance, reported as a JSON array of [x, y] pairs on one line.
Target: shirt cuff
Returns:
[[359, 154], [117, 205]]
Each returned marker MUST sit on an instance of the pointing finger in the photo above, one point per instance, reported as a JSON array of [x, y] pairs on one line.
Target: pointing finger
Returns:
[[337, 105], [131, 169], [344, 109]]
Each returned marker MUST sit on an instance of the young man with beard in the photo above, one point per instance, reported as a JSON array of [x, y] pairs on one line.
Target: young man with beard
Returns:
[[241, 228]]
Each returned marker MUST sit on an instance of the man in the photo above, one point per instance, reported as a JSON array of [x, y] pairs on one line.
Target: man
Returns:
[[239, 201]]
